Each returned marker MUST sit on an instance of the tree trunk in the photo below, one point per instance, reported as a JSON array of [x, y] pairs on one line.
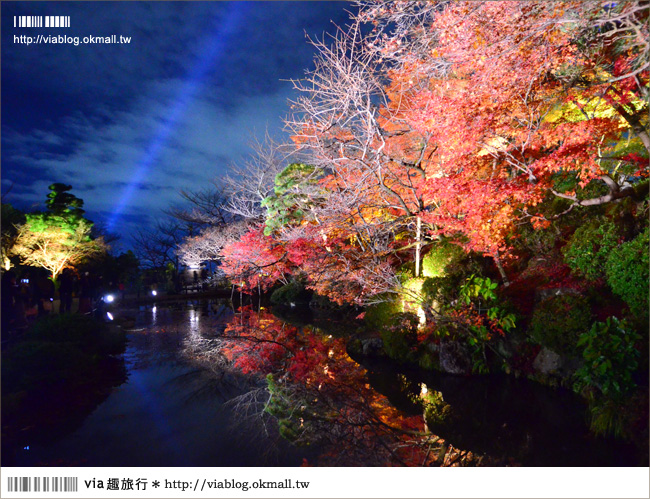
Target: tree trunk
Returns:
[[418, 245], [502, 272]]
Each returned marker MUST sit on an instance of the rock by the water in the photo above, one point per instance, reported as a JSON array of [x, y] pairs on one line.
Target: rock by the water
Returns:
[[372, 347], [547, 362], [454, 358]]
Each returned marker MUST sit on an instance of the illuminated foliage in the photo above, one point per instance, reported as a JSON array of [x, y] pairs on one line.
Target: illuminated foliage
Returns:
[[11, 220], [318, 395], [292, 196], [254, 260], [54, 242]]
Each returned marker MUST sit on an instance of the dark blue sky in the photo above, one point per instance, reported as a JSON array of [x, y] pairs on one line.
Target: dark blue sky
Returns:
[[129, 125]]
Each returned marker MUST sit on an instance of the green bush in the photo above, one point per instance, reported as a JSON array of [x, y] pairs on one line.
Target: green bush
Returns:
[[380, 314], [323, 302], [85, 332], [558, 322], [589, 248], [627, 273], [436, 411], [294, 292], [436, 262], [440, 290], [30, 364], [611, 358], [66, 327]]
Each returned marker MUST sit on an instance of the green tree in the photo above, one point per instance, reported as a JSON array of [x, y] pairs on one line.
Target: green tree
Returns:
[[55, 243], [59, 238], [61, 202], [296, 190]]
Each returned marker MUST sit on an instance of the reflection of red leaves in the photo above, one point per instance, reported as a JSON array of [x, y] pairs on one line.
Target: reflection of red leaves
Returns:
[[326, 383], [256, 341]]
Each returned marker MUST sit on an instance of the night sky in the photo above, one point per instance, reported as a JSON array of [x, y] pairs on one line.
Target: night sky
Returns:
[[129, 125]]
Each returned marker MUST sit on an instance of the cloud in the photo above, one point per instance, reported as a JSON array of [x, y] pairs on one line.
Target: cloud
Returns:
[[128, 126], [127, 157]]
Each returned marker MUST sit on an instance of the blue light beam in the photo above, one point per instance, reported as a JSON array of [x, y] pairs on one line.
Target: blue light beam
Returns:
[[211, 49]]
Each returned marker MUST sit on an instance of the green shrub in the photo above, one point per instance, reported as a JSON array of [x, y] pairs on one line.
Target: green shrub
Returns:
[[440, 290], [323, 302], [436, 411], [439, 257], [428, 360], [66, 327], [589, 247], [536, 241], [30, 364], [57, 349], [610, 357], [558, 322], [627, 273], [294, 292], [380, 314]]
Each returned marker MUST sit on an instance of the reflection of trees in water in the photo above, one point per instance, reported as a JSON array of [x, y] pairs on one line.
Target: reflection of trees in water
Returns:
[[304, 387]]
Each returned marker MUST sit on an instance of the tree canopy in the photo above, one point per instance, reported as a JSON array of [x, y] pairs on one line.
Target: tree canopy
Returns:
[[58, 238]]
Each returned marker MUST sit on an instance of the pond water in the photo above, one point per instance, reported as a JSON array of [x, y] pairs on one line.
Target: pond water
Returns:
[[171, 411]]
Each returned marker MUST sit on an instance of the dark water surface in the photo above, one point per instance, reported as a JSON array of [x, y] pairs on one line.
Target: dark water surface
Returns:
[[171, 412]]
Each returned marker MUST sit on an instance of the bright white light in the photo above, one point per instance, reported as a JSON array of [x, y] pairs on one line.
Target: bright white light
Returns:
[[109, 298], [109, 315], [154, 292], [421, 316], [154, 309]]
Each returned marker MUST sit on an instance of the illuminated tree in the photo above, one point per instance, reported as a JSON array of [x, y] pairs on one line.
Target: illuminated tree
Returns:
[[515, 95], [55, 243], [456, 119], [208, 245], [11, 220]]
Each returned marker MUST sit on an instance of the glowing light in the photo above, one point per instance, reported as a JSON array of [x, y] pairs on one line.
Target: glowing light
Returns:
[[423, 389], [211, 50], [154, 292], [421, 316], [109, 315], [109, 298], [195, 330], [154, 309]]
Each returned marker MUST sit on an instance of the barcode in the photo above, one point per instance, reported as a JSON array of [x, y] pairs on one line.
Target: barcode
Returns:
[[44, 484], [41, 21]]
